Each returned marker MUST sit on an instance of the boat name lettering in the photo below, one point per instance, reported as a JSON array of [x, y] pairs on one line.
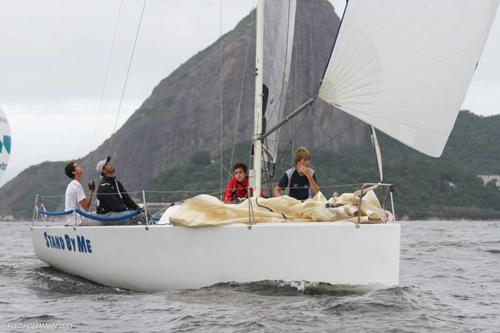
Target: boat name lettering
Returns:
[[68, 243]]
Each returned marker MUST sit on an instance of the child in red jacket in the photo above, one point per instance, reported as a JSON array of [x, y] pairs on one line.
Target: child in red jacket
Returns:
[[237, 188]]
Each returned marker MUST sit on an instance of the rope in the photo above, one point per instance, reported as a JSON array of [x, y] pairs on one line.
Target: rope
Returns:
[[182, 191], [211, 191], [302, 92], [224, 169], [289, 145], [108, 218], [251, 215], [140, 192], [243, 81], [269, 209], [47, 213], [106, 76], [129, 66], [91, 216], [206, 191], [337, 135]]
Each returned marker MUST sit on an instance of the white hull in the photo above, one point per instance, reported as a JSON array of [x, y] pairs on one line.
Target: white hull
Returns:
[[167, 257]]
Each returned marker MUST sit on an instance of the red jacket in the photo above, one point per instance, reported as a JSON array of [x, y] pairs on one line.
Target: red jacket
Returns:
[[235, 190]]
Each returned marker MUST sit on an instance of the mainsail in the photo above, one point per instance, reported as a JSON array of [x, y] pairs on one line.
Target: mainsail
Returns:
[[405, 67], [279, 25]]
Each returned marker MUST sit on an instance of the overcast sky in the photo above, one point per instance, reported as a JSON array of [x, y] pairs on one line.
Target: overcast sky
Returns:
[[54, 53]]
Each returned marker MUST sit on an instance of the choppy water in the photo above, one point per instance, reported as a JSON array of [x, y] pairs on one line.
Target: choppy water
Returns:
[[450, 282]]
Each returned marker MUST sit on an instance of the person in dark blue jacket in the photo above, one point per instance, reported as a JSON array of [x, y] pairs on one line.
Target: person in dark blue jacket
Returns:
[[299, 182]]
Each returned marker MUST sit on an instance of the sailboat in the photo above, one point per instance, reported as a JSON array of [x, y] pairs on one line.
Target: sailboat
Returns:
[[404, 70]]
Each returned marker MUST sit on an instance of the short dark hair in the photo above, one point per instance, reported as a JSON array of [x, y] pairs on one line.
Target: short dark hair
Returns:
[[240, 165], [69, 169]]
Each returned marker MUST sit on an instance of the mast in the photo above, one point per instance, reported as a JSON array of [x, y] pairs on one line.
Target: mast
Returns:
[[257, 141]]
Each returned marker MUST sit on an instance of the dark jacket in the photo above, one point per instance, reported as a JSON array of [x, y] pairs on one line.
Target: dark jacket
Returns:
[[112, 197]]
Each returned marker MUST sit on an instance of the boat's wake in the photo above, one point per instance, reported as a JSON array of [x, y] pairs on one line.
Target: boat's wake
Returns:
[[297, 288]]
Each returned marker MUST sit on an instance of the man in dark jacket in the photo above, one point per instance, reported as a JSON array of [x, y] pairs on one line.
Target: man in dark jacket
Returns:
[[111, 195], [299, 182]]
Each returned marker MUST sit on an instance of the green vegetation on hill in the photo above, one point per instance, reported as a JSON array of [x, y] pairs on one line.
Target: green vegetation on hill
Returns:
[[200, 175], [22, 200], [447, 187]]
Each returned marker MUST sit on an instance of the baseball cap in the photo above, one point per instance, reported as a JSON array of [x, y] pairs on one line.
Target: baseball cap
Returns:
[[100, 165]]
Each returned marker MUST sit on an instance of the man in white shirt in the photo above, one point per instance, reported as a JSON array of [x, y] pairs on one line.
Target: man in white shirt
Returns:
[[75, 195]]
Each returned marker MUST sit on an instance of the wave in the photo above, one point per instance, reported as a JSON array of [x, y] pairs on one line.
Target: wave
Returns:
[[41, 318], [47, 280], [295, 288], [8, 271]]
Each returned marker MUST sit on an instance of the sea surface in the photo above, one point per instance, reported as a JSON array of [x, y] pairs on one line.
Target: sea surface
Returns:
[[450, 282]]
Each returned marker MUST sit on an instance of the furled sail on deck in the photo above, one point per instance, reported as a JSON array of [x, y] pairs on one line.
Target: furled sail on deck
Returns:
[[279, 25], [405, 67]]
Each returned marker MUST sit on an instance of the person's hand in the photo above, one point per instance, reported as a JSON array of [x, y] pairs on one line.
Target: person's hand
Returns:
[[91, 185], [304, 169]]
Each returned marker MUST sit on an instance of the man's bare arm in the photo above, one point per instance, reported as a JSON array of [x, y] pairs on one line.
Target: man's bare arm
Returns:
[[312, 183], [87, 201], [277, 191]]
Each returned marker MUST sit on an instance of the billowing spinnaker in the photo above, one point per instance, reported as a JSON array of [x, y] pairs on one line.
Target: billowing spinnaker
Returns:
[[279, 25], [5, 143], [405, 66]]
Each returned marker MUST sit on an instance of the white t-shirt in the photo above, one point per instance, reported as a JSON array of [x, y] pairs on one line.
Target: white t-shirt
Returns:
[[74, 194]]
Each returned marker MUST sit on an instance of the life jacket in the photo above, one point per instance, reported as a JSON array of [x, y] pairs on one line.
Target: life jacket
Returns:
[[239, 188], [235, 189], [289, 174]]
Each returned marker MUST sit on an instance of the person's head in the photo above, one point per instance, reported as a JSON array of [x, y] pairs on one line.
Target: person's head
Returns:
[[73, 170], [105, 167], [108, 170], [240, 171], [302, 156]]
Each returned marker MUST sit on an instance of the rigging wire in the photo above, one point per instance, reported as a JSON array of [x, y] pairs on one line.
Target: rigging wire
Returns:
[[129, 65], [106, 75], [245, 66], [303, 93], [220, 94], [295, 130], [332, 138], [289, 146]]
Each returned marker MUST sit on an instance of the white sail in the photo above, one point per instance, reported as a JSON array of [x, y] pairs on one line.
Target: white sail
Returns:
[[405, 67], [279, 25], [5, 142]]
